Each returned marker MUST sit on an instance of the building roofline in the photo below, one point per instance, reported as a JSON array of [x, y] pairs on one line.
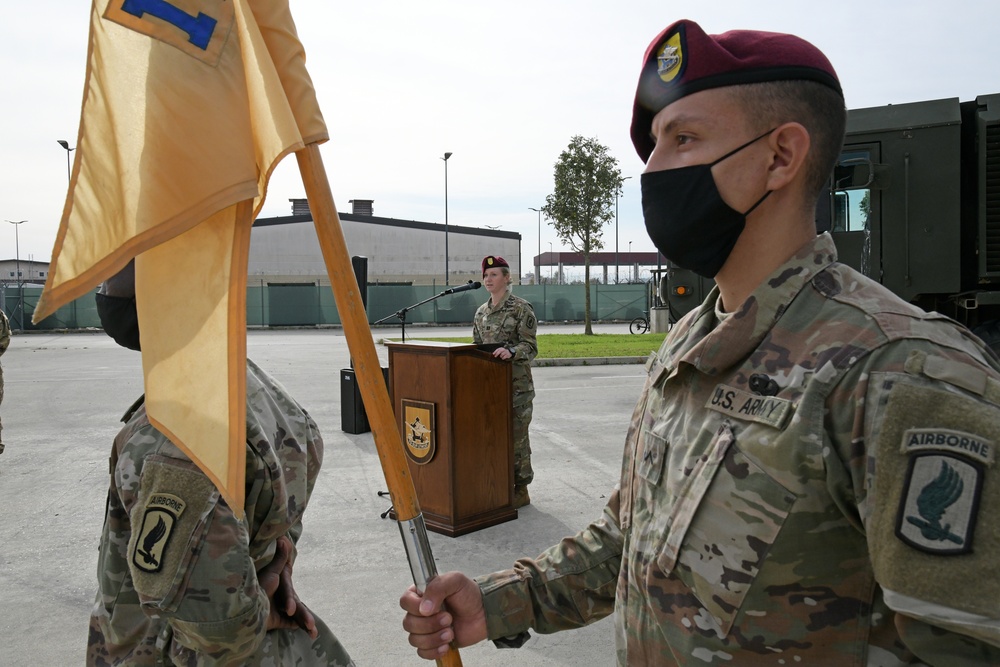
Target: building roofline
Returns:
[[26, 261], [392, 222], [570, 258]]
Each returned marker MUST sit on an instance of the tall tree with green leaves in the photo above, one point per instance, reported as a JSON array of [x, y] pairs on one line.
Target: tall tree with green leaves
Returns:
[[587, 180]]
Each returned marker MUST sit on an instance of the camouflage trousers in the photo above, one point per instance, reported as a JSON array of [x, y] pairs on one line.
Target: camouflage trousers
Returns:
[[279, 648], [523, 474]]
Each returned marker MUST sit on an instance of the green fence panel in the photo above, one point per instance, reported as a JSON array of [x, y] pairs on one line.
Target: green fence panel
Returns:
[[611, 302], [327, 306], [256, 305], [384, 300], [293, 305], [459, 308], [308, 304], [80, 313]]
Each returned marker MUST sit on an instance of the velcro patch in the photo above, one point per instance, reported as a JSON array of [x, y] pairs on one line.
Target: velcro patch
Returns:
[[973, 446], [160, 515], [915, 502], [743, 405], [937, 513], [173, 510]]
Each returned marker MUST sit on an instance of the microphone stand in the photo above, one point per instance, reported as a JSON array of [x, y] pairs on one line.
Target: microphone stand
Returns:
[[401, 313]]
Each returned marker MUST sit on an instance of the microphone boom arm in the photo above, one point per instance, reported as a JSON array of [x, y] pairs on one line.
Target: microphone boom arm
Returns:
[[401, 313]]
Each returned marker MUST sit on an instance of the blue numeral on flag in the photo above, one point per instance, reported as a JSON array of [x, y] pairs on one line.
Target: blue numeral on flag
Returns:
[[198, 28]]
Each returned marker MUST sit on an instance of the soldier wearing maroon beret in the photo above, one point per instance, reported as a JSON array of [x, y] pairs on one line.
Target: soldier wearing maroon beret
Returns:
[[810, 472], [510, 320]]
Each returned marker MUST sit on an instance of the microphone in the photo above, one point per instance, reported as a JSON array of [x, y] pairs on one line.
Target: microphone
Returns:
[[463, 288]]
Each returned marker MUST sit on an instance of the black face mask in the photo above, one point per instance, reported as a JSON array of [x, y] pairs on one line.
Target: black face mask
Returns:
[[119, 319], [687, 219]]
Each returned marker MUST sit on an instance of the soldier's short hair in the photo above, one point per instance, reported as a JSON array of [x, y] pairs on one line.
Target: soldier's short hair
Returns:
[[816, 107]]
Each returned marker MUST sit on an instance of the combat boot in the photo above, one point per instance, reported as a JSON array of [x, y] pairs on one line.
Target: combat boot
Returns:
[[521, 496]]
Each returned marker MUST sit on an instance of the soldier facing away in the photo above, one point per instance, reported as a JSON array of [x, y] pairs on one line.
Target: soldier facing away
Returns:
[[184, 581], [810, 474]]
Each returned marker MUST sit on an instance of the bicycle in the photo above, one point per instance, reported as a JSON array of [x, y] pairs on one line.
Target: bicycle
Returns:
[[639, 325]]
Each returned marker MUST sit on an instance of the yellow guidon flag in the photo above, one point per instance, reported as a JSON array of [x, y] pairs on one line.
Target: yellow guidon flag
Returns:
[[188, 106]]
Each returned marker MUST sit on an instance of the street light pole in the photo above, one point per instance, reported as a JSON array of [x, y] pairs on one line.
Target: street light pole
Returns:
[[17, 265], [550, 261], [618, 194], [630, 261], [65, 144], [538, 268], [445, 158]]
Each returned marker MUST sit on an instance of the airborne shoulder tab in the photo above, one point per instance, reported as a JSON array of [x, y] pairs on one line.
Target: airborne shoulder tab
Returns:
[[949, 440]]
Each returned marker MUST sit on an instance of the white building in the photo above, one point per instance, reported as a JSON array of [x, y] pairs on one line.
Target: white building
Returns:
[[32, 272], [285, 249]]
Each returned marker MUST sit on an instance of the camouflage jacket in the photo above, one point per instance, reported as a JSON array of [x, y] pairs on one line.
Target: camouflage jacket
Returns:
[[801, 484], [4, 332], [512, 322], [177, 570]]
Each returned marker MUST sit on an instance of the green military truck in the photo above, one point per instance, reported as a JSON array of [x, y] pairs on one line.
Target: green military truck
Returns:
[[914, 203]]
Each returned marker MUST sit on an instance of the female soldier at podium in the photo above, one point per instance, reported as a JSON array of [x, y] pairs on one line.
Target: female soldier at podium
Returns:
[[510, 321]]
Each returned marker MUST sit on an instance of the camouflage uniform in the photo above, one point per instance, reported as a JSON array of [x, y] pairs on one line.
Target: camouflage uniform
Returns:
[[513, 323], [800, 485], [4, 344], [177, 570]]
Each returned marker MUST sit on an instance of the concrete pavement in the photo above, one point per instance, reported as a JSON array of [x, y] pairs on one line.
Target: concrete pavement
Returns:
[[66, 392]]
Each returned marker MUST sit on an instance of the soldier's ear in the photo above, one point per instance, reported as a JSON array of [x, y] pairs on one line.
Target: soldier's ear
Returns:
[[790, 144]]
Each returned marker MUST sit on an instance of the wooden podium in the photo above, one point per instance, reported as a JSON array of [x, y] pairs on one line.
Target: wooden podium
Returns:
[[453, 406]]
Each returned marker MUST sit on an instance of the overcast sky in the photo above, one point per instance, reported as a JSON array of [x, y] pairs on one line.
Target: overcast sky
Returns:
[[501, 85]]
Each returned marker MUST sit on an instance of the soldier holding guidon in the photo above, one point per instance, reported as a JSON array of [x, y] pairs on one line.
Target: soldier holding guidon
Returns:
[[810, 476]]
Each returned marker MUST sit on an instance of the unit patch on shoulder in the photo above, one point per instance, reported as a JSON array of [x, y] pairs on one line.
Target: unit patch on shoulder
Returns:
[[161, 514], [937, 512]]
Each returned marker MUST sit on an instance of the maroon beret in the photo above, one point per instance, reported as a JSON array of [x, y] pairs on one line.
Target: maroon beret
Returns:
[[491, 262], [683, 60]]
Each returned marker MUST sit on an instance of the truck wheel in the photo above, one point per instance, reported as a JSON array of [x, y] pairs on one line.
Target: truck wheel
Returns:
[[989, 332]]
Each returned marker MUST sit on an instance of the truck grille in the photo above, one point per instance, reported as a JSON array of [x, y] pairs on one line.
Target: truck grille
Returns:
[[991, 192]]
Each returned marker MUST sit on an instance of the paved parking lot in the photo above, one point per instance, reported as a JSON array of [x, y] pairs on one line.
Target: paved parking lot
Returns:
[[66, 392]]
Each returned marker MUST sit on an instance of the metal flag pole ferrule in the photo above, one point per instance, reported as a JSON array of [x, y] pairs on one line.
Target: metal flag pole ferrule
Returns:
[[418, 551]]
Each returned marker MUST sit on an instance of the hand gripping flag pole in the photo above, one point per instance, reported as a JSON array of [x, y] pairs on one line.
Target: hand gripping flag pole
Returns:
[[369, 373]]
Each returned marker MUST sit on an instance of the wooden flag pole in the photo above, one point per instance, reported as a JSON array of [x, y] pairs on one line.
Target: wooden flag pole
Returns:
[[368, 372]]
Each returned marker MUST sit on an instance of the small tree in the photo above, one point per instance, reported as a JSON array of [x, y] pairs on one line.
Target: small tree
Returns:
[[865, 206], [587, 180]]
